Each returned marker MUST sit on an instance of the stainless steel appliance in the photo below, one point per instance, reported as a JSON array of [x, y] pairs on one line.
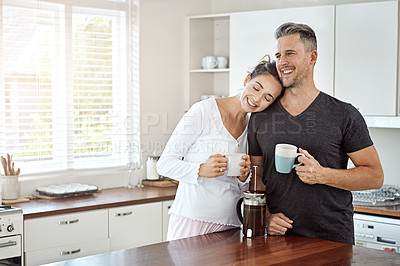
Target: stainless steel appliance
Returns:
[[11, 228], [377, 232]]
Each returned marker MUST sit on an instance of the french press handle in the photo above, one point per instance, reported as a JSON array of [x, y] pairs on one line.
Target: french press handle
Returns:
[[239, 209]]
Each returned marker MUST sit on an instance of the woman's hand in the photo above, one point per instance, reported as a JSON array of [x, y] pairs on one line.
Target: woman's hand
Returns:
[[246, 168], [214, 167]]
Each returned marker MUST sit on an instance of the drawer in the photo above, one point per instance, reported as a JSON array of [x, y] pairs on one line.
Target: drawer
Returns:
[[67, 252], [10, 247], [136, 225], [61, 230]]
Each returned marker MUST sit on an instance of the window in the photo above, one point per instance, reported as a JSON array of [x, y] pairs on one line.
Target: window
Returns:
[[69, 92]]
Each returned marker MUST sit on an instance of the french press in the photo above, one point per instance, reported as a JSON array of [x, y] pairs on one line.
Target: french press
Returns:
[[254, 218]]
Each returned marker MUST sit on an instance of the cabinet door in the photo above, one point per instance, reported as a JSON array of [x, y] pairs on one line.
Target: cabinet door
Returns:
[[252, 36], [135, 225], [67, 252], [61, 230], [366, 56], [166, 205]]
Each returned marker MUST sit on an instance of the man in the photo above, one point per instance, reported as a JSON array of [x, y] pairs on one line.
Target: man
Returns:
[[314, 199]]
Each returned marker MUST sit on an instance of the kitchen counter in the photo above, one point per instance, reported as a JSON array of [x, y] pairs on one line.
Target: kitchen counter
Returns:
[[230, 248], [107, 198], [392, 211], [116, 197]]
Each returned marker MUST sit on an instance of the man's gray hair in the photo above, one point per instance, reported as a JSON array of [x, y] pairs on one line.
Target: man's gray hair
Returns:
[[307, 35]]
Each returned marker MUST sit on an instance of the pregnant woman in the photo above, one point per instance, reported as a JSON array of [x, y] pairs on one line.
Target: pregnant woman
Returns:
[[206, 198]]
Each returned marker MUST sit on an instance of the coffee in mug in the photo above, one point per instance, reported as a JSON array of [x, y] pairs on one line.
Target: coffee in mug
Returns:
[[285, 156], [233, 163]]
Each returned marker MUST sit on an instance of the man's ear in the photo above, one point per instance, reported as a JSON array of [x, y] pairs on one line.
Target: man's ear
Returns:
[[246, 79], [314, 55]]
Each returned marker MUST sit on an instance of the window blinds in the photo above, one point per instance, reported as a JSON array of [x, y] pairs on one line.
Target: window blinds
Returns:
[[69, 96]]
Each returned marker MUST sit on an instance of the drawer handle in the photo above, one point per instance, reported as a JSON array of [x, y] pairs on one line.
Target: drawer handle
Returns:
[[68, 222], [122, 214], [8, 244], [62, 253]]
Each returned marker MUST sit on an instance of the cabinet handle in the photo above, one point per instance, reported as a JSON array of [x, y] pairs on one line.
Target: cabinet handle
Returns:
[[68, 222], [62, 253], [122, 214], [8, 244]]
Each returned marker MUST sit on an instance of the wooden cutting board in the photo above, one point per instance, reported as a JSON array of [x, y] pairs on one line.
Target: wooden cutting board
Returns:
[[160, 183], [14, 201]]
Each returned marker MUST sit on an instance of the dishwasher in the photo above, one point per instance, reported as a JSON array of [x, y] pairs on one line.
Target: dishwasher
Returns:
[[373, 231]]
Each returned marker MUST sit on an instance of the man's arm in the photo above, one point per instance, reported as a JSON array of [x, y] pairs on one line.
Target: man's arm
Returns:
[[278, 223], [367, 174]]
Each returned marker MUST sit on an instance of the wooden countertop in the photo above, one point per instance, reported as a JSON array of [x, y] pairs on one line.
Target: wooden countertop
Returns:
[[230, 248], [107, 198], [393, 211], [116, 197]]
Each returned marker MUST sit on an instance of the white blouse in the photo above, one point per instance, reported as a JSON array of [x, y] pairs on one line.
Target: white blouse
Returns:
[[199, 134]]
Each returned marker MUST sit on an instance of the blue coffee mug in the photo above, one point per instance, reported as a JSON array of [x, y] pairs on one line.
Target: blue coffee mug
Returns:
[[285, 156]]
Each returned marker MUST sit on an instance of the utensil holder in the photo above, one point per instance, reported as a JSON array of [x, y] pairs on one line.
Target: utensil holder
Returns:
[[10, 188]]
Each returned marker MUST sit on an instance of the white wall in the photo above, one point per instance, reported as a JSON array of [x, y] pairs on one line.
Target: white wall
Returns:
[[387, 143], [162, 68], [162, 27]]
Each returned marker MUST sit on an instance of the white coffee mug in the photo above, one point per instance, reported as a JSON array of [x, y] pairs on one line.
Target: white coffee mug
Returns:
[[222, 62], [285, 155], [233, 164], [209, 62]]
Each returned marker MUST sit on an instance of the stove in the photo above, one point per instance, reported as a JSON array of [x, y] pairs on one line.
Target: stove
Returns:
[[388, 195], [11, 228]]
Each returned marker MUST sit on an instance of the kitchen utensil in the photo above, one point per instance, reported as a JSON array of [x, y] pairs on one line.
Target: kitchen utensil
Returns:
[[10, 172], [4, 163], [254, 220]]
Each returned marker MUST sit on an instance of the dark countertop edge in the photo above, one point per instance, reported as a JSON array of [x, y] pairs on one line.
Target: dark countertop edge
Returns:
[[96, 207]]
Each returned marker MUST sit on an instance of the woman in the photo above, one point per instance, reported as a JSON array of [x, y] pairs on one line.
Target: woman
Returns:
[[206, 198]]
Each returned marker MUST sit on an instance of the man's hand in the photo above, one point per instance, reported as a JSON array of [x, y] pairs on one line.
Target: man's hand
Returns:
[[279, 224], [214, 167], [311, 172]]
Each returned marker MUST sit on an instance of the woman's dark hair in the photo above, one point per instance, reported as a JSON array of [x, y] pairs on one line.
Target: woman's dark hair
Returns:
[[265, 67]]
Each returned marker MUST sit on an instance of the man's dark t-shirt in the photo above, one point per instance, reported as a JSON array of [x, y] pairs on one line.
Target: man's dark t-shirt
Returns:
[[328, 129]]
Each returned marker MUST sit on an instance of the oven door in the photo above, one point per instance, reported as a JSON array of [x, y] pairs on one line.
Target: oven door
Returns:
[[10, 250]]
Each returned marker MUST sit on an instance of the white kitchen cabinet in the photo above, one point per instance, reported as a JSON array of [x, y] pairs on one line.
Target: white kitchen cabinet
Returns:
[[166, 205], [366, 56], [67, 252], [78, 234], [135, 225], [207, 36], [252, 36]]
